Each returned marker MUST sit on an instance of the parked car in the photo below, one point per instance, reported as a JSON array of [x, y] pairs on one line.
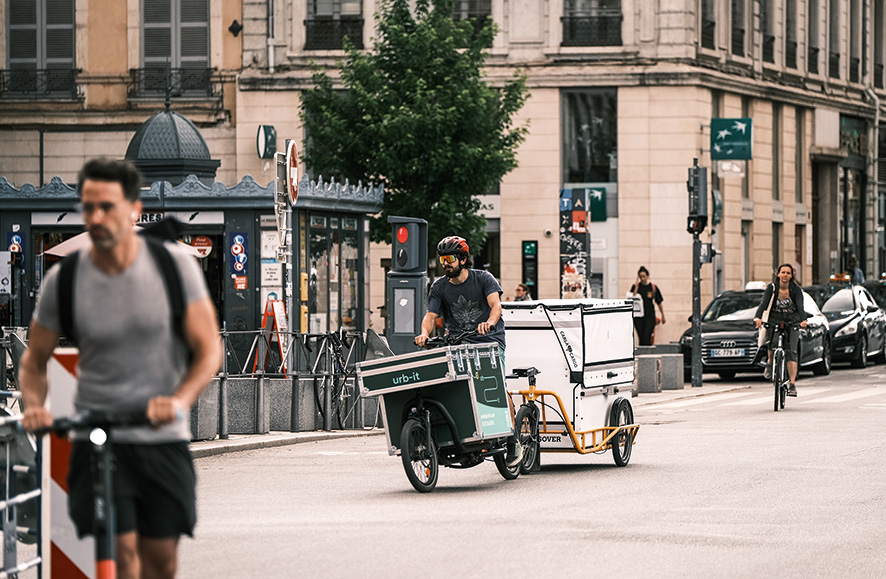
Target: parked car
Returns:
[[857, 326], [729, 337], [878, 291]]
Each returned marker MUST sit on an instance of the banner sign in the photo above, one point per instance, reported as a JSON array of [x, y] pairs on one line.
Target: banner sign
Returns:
[[239, 255], [575, 243], [732, 139]]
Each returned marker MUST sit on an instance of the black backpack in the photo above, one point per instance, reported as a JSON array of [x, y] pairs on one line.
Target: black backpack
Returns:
[[172, 280]]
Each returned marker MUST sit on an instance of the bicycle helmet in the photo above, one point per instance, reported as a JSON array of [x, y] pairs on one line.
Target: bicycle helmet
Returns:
[[453, 245]]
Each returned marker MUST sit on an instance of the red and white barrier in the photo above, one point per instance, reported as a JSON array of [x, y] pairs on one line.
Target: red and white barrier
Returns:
[[65, 556]]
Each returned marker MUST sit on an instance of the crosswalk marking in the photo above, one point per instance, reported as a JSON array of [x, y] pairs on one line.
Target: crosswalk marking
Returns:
[[767, 399], [847, 396]]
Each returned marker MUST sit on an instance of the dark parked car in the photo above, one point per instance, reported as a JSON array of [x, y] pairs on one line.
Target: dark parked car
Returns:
[[729, 337], [878, 291], [857, 325]]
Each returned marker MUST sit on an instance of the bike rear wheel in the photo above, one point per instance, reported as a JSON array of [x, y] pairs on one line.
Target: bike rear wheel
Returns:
[[419, 455], [621, 444], [507, 472]]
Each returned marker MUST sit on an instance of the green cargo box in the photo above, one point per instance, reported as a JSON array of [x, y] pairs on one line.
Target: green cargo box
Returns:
[[468, 380]]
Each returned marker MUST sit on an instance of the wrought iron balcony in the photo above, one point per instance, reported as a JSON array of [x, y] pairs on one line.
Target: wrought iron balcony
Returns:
[[812, 59], [790, 54], [854, 69], [834, 64], [182, 82], [39, 83], [327, 33], [878, 78], [708, 34], [738, 41], [769, 48], [601, 29]]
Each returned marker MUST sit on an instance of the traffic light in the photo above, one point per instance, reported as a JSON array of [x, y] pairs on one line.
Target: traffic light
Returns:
[[697, 185], [409, 246]]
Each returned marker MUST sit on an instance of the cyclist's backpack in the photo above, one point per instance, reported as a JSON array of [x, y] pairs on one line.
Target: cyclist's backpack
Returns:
[[171, 279]]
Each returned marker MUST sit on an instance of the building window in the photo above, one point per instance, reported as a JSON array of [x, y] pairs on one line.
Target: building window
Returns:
[[745, 252], [738, 27], [768, 17], [834, 39], [708, 25], [854, 41], [790, 36], [477, 12], [331, 21], [40, 50], [879, 44], [590, 136], [746, 180], [776, 150], [592, 23], [174, 49], [814, 37], [799, 155], [776, 246]]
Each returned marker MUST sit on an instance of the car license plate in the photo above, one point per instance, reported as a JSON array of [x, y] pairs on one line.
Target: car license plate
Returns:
[[727, 352]]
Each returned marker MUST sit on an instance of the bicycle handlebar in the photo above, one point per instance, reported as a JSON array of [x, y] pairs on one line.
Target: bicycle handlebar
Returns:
[[450, 339], [94, 419], [770, 325]]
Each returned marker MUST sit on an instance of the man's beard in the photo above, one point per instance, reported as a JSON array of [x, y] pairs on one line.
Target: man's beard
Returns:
[[454, 272]]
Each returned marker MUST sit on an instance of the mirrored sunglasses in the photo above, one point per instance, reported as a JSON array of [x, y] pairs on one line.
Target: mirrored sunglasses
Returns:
[[448, 259]]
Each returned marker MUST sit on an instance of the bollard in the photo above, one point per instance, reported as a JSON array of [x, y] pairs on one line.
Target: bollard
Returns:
[[223, 392], [293, 405], [327, 402], [261, 426]]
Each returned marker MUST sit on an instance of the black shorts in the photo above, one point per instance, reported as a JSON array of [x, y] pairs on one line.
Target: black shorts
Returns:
[[154, 489]]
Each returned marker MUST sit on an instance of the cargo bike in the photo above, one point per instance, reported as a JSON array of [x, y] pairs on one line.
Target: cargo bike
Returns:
[[581, 352], [446, 405]]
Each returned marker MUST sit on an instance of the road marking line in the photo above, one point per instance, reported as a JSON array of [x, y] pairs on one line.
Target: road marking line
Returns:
[[702, 400], [768, 398], [848, 396]]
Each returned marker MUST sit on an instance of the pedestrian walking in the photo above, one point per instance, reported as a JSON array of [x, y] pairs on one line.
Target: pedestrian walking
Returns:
[[650, 296]]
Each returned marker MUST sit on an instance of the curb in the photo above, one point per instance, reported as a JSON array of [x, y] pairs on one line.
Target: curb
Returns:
[[258, 441], [690, 393]]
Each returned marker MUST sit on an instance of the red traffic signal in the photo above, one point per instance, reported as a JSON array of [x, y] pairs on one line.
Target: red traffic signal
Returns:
[[402, 234]]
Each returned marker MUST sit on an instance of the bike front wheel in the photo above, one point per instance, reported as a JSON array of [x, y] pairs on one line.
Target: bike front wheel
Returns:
[[778, 372], [526, 429], [419, 455]]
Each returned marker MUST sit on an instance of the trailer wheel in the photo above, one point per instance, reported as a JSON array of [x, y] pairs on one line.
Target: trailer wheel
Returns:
[[620, 415], [419, 457]]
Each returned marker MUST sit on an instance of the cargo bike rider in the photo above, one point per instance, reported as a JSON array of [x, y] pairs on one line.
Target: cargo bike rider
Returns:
[[467, 299]]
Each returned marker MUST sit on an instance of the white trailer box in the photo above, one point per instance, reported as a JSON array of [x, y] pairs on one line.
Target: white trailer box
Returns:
[[584, 350]]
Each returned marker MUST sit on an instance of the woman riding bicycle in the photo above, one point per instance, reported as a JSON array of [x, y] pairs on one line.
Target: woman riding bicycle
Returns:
[[783, 302]]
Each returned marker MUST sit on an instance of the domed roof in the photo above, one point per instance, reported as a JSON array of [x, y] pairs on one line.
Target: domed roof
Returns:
[[167, 135], [168, 147]]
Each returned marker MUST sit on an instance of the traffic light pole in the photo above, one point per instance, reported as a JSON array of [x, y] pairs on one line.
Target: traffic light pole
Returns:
[[696, 311]]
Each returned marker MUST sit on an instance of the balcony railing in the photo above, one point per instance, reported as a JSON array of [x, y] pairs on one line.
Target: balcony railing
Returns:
[[878, 77], [834, 64], [854, 68], [182, 82], [769, 48], [329, 33], [40, 83], [738, 41], [602, 29], [812, 59], [790, 54], [708, 34]]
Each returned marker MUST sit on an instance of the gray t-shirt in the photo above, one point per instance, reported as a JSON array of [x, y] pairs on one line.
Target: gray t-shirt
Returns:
[[128, 350], [465, 305]]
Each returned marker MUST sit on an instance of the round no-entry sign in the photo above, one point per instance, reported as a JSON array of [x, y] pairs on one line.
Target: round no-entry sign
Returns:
[[202, 244], [292, 171]]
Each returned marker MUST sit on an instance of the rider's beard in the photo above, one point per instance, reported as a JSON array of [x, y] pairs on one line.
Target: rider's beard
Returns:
[[454, 272]]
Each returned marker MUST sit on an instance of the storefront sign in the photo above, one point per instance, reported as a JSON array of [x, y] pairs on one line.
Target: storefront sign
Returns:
[[732, 139], [203, 245], [575, 241], [151, 217], [239, 255], [5, 272], [240, 282]]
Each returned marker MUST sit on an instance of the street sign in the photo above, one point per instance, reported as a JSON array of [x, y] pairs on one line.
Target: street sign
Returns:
[[732, 139], [292, 171], [203, 245], [266, 142]]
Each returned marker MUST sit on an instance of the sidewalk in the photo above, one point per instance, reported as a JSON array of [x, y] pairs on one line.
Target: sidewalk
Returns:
[[239, 442]]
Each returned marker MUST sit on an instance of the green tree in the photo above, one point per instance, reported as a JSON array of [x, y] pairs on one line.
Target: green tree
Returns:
[[416, 114]]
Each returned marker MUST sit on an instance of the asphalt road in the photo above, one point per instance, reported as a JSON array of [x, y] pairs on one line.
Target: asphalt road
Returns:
[[718, 486]]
